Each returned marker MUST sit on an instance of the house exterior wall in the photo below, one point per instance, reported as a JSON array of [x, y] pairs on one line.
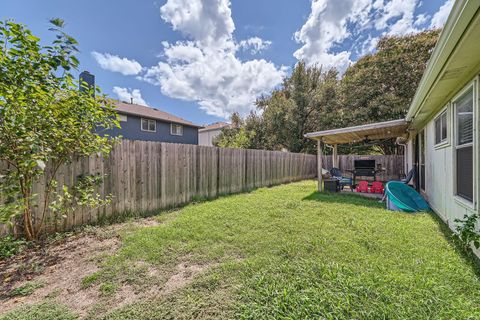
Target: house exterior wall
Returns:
[[131, 129], [205, 138], [440, 166]]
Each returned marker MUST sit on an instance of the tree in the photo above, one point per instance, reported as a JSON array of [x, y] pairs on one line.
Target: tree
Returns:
[[306, 102], [44, 121], [381, 86]]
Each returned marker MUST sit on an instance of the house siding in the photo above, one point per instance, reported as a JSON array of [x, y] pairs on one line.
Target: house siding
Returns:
[[440, 167], [131, 130], [206, 137]]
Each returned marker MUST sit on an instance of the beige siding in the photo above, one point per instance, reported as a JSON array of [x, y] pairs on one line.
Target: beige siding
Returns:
[[205, 138], [440, 169]]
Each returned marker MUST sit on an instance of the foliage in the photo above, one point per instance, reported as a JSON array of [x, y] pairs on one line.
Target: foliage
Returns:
[[46, 311], [235, 136], [467, 231], [378, 87], [26, 289], [9, 246], [45, 120]]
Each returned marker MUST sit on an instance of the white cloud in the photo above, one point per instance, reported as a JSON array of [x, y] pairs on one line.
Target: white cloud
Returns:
[[205, 67], [114, 63], [327, 26], [125, 94], [440, 17], [337, 31], [403, 11], [255, 44]]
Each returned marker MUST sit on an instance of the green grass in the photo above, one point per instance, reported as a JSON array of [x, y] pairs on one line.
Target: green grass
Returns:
[[26, 289], [290, 253]]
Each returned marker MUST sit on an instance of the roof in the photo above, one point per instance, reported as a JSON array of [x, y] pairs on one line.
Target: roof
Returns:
[[214, 126], [151, 113], [455, 60], [372, 131]]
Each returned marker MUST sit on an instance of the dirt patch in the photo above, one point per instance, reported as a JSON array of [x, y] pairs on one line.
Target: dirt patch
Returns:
[[60, 266], [60, 269], [183, 276]]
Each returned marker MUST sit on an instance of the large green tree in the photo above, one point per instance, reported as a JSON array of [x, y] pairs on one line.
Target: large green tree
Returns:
[[381, 85], [306, 101], [44, 121]]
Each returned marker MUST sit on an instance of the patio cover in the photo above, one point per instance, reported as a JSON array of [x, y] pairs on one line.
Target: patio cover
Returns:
[[373, 131]]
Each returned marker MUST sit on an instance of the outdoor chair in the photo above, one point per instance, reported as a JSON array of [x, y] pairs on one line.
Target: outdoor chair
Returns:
[[343, 181], [362, 186], [411, 174]]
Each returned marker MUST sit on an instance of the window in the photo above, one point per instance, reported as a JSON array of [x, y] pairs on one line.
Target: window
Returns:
[[122, 118], [149, 125], [464, 145], [176, 129], [441, 128]]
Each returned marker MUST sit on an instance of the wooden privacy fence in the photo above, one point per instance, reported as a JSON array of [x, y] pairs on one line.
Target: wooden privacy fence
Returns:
[[393, 165], [144, 176]]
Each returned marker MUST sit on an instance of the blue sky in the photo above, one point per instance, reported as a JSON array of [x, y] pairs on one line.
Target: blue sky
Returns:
[[204, 59]]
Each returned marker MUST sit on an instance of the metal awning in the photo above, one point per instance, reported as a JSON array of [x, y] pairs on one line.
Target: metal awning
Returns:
[[373, 131]]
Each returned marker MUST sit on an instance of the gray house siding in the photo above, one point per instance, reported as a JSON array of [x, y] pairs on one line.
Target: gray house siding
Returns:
[[131, 129]]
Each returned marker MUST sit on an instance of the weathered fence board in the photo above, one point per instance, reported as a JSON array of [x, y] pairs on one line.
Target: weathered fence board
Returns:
[[143, 176]]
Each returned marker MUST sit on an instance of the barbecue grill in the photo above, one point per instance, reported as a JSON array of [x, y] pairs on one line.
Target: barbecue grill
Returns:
[[364, 168]]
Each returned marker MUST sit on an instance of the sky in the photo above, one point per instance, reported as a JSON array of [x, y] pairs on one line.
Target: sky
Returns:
[[204, 59]]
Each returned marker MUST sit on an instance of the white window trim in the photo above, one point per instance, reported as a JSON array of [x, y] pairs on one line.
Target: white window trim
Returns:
[[473, 85], [171, 129], [148, 121], [447, 142], [122, 117]]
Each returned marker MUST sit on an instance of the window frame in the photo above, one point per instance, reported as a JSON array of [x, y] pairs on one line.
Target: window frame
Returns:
[[178, 126], [446, 141], [148, 125], [454, 125], [122, 117]]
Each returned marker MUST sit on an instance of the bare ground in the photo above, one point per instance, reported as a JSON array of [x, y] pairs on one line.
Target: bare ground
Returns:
[[60, 267]]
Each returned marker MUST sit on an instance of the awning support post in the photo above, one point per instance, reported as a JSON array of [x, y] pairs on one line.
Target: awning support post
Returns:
[[335, 156], [319, 165]]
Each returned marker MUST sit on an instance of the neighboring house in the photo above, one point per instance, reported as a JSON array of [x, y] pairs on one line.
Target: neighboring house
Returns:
[[441, 130], [207, 134], [144, 123]]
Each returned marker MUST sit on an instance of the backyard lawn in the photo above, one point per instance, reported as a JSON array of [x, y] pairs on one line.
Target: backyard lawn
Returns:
[[275, 253]]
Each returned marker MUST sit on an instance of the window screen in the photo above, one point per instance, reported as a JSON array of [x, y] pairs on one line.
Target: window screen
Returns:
[[464, 145], [464, 173], [441, 128], [464, 111], [176, 129], [149, 125]]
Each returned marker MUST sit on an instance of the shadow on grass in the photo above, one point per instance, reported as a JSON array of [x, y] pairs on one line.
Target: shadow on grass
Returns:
[[467, 255], [354, 199], [344, 198]]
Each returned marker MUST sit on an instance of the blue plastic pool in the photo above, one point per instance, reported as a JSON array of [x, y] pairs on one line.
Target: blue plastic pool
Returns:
[[404, 198]]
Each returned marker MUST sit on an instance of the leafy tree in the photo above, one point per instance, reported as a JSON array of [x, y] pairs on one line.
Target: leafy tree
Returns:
[[44, 121], [381, 85], [306, 102]]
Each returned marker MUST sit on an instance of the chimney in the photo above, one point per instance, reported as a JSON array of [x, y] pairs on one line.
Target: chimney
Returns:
[[87, 82], [131, 100]]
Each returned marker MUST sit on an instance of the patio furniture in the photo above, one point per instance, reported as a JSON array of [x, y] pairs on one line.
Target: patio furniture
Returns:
[[377, 187], [332, 185], [362, 186], [343, 181], [411, 174]]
